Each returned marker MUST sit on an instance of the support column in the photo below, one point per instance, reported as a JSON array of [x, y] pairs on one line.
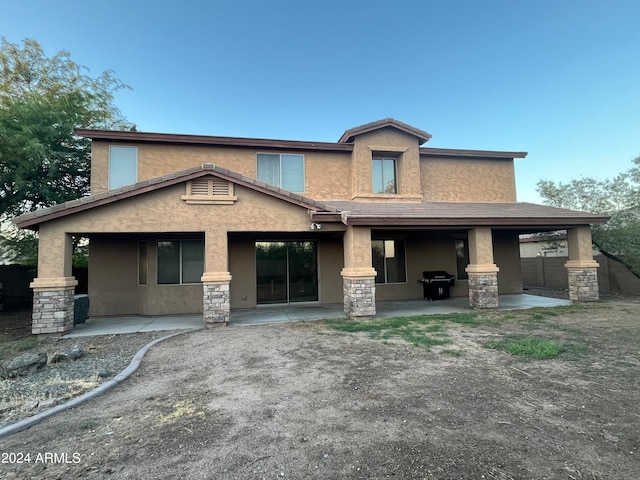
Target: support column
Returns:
[[582, 269], [53, 306], [216, 281], [358, 275], [54, 287], [216, 298], [483, 273]]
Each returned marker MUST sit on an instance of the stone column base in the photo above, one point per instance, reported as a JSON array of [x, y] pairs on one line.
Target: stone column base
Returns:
[[483, 287], [583, 281], [216, 297], [53, 307], [359, 292]]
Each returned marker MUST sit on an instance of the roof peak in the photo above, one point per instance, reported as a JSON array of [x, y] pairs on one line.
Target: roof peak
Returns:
[[350, 134]]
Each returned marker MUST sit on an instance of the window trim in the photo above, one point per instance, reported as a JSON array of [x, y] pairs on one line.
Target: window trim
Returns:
[[304, 170], [111, 147], [180, 241]]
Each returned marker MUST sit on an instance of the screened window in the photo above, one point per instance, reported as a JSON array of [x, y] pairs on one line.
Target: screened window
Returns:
[[282, 170], [180, 261], [123, 166], [383, 173], [462, 259], [389, 261]]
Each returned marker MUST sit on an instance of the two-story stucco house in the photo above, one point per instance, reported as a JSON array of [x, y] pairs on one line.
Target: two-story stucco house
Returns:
[[189, 224]]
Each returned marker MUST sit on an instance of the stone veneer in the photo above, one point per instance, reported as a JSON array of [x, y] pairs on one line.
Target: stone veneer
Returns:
[[483, 290], [216, 306], [359, 297], [583, 284], [52, 311]]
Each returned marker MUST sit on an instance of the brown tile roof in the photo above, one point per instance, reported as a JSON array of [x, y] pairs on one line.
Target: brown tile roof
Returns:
[[455, 213], [270, 144], [238, 142], [349, 135], [33, 219], [457, 153]]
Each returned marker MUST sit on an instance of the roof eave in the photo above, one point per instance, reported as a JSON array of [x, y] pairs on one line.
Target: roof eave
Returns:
[[558, 223], [234, 142], [458, 153], [350, 134]]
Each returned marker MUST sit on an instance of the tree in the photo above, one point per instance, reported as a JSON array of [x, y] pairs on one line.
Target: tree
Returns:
[[619, 197], [42, 161]]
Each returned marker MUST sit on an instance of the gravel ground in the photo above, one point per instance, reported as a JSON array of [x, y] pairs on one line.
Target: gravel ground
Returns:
[[104, 357]]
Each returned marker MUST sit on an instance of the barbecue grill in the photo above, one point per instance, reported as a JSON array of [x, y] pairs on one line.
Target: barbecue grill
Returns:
[[437, 284]]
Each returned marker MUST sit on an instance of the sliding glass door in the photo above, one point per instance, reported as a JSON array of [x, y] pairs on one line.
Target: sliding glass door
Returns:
[[286, 272]]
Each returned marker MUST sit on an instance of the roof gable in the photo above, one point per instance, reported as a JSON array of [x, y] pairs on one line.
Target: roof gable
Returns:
[[350, 134], [33, 219]]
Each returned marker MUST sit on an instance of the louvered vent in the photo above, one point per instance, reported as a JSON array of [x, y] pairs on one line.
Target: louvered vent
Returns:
[[200, 186], [220, 187], [209, 190]]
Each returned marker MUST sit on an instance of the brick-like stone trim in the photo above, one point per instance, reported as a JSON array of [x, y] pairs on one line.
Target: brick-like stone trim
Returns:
[[583, 284], [359, 297], [483, 290], [216, 303], [52, 311]]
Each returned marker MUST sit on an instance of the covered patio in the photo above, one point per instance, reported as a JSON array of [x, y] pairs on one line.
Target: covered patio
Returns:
[[292, 313]]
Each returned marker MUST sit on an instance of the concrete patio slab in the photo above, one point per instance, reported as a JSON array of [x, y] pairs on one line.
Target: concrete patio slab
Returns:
[[290, 313]]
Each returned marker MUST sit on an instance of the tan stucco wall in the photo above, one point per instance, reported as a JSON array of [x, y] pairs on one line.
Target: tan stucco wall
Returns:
[[164, 211], [427, 251], [389, 143], [113, 277], [326, 174], [506, 255], [330, 263], [467, 180], [113, 260], [242, 265]]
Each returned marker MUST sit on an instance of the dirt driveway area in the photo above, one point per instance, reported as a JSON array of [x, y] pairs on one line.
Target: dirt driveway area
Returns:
[[308, 401]]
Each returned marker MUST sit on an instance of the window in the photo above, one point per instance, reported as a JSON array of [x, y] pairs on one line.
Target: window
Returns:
[[180, 262], [462, 259], [389, 261], [383, 173], [123, 166], [282, 170], [143, 263]]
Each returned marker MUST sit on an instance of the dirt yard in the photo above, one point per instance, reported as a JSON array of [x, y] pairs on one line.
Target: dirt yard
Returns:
[[307, 401]]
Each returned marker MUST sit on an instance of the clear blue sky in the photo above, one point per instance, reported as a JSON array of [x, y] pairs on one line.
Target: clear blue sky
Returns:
[[559, 79]]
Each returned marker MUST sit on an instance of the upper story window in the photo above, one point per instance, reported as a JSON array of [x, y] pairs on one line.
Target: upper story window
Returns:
[[282, 170], [383, 174], [123, 166]]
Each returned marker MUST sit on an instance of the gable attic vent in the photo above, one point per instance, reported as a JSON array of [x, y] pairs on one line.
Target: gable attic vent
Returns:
[[209, 190]]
